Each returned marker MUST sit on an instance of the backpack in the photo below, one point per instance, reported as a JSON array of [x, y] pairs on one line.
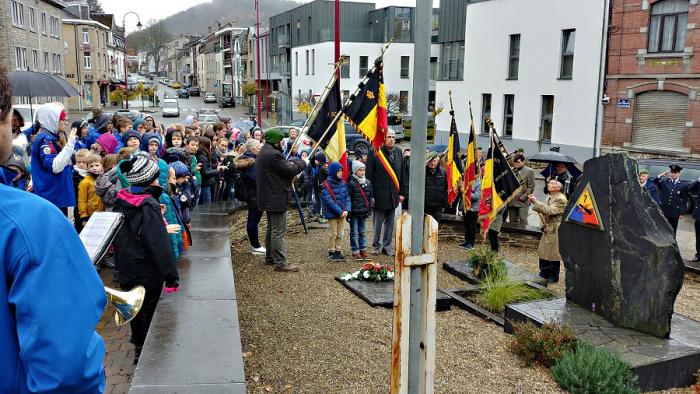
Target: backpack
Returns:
[[240, 191]]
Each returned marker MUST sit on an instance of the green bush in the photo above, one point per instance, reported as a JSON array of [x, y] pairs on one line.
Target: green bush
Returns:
[[543, 345], [591, 370], [483, 260], [497, 291]]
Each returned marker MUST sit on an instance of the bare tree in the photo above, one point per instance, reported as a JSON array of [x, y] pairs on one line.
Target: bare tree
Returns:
[[156, 36], [393, 103]]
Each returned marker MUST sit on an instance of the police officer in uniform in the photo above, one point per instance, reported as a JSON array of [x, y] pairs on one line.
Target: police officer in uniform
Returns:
[[673, 193]]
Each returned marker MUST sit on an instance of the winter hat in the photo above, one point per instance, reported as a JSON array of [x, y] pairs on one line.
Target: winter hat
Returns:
[[129, 134], [333, 168], [108, 142], [643, 171], [180, 169], [48, 116], [273, 136], [102, 122], [136, 123], [320, 158], [357, 165], [148, 138], [139, 170], [430, 156]]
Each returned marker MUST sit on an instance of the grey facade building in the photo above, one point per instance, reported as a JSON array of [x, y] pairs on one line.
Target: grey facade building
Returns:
[[31, 35]]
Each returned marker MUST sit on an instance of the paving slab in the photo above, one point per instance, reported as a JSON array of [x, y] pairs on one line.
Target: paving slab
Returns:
[[381, 294]]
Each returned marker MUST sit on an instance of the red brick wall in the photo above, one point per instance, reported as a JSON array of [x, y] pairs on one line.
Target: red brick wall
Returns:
[[628, 34]]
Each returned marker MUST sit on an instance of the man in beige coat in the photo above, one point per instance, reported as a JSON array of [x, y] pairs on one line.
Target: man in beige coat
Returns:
[[551, 212]]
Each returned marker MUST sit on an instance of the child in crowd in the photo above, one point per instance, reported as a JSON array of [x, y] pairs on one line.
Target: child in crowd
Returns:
[[14, 170], [142, 249], [79, 172], [182, 192], [317, 173], [82, 136], [179, 199], [191, 148], [361, 200], [336, 206], [132, 139], [88, 200], [105, 144], [103, 186]]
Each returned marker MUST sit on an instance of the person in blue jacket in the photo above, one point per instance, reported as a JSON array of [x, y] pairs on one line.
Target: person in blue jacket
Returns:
[[51, 297], [103, 124], [52, 168], [336, 206], [694, 187]]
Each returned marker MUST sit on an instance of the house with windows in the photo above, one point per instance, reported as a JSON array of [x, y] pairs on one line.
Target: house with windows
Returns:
[[302, 52], [535, 74], [31, 37], [653, 79]]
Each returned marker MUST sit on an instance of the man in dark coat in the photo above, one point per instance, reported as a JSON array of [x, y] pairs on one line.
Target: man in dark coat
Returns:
[[435, 187], [386, 195], [274, 175], [650, 187], [673, 193], [695, 188]]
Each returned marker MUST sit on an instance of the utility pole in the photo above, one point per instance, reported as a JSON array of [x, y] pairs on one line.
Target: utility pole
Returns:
[[126, 54], [257, 55], [337, 37]]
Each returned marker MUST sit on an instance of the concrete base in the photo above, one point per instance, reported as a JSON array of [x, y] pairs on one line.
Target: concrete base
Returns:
[[659, 363], [381, 294]]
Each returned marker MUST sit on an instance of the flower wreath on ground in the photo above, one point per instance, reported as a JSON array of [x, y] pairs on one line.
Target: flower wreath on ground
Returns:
[[370, 273]]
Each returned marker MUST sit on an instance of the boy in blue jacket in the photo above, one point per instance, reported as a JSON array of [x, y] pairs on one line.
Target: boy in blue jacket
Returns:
[[361, 200], [336, 206]]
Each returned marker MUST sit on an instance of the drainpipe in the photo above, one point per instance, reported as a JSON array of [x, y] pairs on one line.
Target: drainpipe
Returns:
[[598, 133], [77, 67]]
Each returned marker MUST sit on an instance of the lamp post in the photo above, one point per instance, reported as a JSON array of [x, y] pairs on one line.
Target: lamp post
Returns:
[[126, 53]]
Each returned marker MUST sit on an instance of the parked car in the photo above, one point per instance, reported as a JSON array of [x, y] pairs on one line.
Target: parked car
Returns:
[[691, 172], [355, 142], [226, 101], [170, 94], [176, 85], [209, 98], [194, 91], [207, 119], [170, 107], [183, 93]]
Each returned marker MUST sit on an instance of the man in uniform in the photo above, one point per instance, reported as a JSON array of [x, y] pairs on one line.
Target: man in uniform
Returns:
[[519, 207], [673, 193]]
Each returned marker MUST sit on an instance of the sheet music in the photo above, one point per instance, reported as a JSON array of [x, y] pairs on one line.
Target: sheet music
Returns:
[[99, 232]]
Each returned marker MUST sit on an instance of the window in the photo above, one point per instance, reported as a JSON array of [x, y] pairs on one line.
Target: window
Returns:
[[546, 118], [452, 61], [405, 61], [296, 63], [308, 31], [307, 62], [43, 23], [485, 111], [433, 68], [46, 62], [86, 60], [313, 62], [56, 63], [568, 42], [86, 36], [32, 19], [514, 56], [17, 13], [345, 67], [54, 27], [298, 31], [668, 25], [35, 60], [508, 110], [402, 24], [363, 66], [403, 101], [21, 58]]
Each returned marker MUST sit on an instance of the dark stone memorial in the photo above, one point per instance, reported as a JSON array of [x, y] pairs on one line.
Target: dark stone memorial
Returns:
[[623, 264]]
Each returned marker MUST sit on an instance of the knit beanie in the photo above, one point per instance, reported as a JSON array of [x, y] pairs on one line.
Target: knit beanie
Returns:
[[180, 168], [148, 138], [273, 136], [139, 170], [108, 142], [136, 123], [320, 158], [357, 165], [131, 134]]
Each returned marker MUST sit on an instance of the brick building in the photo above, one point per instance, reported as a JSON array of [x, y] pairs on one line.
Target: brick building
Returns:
[[31, 36], [653, 79]]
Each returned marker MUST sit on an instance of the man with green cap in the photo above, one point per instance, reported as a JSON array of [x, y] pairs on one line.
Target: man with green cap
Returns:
[[274, 175], [650, 187]]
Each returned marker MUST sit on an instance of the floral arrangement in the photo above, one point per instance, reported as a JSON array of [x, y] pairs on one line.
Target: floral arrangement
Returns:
[[370, 273]]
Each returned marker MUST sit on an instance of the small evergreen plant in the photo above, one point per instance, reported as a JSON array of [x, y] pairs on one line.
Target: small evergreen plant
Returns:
[[483, 260], [543, 345], [497, 291]]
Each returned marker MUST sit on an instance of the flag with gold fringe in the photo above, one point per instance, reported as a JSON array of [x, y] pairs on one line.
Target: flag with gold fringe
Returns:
[[471, 171], [453, 165]]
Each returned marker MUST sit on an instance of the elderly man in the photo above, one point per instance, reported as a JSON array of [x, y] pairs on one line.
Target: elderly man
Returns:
[[435, 187], [551, 212], [519, 207], [274, 175], [648, 186], [673, 193], [51, 297], [387, 195]]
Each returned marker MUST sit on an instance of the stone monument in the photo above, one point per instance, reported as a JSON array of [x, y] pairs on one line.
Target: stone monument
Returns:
[[621, 257]]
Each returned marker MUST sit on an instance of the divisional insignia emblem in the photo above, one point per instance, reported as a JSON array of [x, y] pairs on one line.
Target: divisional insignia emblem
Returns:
[[585, 211]]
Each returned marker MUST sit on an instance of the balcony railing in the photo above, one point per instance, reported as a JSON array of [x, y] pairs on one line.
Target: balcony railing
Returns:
[[283, 41]]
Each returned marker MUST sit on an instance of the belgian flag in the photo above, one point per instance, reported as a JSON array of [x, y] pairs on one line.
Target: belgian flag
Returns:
[[470, 165], [499, 184], [452, 163], [330, 107]]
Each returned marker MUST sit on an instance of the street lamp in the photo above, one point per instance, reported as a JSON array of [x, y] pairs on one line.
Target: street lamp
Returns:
[[126, 54]]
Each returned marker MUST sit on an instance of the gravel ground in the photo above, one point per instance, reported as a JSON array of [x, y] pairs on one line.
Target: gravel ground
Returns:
[[305, 332]]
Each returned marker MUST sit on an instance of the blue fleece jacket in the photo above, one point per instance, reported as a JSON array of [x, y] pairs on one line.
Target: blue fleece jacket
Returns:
[[334, 204]]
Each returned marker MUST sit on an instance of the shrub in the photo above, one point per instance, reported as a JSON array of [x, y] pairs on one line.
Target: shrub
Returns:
[[592, 370], [497, 291], [483, 260], [542, 345]]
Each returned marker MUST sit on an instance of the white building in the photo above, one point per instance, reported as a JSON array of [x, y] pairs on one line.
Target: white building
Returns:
[[534, 67]]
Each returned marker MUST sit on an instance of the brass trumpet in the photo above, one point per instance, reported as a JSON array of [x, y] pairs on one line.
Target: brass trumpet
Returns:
[[127, 303]]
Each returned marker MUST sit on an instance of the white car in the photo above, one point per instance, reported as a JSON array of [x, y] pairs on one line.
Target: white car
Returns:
[[170, 108]]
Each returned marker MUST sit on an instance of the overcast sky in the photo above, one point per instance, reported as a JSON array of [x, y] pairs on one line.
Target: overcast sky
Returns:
[[149, 9]]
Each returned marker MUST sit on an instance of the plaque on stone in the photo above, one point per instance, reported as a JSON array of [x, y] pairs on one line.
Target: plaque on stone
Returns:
[[627, 268]]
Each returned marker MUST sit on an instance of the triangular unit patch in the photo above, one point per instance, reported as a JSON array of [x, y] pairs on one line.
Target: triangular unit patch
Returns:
[[585, 211]]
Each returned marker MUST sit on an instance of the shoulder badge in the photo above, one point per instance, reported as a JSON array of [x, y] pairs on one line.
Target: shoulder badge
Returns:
[[46, 150]]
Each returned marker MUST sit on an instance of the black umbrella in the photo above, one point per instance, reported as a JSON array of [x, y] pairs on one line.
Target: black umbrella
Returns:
[[34, 84], [552, 157]]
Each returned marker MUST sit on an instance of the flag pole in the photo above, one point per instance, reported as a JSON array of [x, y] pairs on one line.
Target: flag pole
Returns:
[[349, 100]]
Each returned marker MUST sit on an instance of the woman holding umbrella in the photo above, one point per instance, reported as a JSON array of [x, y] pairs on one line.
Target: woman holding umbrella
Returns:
[[51, 160]]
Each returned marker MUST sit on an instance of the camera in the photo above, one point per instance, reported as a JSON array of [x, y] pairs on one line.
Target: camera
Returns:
[[605, 100]]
